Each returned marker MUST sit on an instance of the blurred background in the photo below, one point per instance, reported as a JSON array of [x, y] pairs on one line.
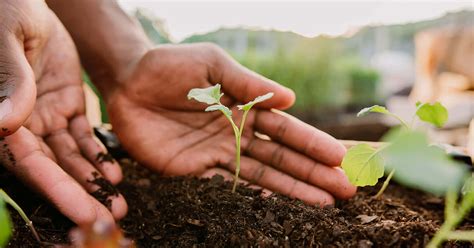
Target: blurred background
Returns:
[[339, 56]]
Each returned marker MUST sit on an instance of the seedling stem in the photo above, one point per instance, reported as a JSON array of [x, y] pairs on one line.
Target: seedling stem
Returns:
[[211, 96], [20, 211], [453, 217], [385, 184]]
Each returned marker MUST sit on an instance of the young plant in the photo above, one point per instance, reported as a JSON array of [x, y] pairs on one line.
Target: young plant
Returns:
[[365, 165], [418, 165], [212, 96], [5, 224]]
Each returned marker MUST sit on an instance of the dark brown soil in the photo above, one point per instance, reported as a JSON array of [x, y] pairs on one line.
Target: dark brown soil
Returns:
[[190, 212], [106, 189]]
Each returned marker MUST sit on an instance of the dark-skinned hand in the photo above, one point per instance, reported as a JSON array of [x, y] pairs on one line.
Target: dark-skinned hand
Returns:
[[47, 140], [170, 134]]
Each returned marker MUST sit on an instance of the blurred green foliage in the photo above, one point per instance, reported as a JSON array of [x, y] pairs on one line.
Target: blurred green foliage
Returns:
[[326, 73], [314, 69], [363, 85], [87, 80]]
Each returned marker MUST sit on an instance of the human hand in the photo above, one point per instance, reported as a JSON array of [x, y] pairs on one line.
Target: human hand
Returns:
[[165, 131], [50, 146]]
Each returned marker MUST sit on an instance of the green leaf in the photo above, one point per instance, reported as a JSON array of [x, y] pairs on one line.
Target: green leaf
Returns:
[[373, 109], [468, 186], [220, 107], [435, 114], [419, 165], [209, 95], [258, 99], [5, 224], [382, 110], [363, 165]]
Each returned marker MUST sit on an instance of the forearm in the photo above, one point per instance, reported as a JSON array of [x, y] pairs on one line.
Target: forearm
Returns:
[[107, 39]]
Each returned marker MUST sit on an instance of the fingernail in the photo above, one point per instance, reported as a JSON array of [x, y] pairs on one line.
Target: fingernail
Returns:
[[6, 107]]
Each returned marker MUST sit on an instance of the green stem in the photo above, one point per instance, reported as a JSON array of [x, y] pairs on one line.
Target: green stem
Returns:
[[400, 120], [238, 138], [237, 163], [412, 123], [454, 218], [20, 211], [450, 204], [237, 134], [385, 184], [461, 235]]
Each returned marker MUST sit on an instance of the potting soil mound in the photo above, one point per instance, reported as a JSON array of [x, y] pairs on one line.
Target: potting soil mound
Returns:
[[192, 212]]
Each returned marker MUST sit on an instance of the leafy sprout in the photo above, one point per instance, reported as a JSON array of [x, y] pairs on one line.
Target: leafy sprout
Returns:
[[417, 164], [365, 165], [211, 96]]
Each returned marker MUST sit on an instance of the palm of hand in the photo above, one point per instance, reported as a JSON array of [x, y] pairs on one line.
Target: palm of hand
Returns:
[[58, 134], [165, 131], [160, 127], [59, 89]]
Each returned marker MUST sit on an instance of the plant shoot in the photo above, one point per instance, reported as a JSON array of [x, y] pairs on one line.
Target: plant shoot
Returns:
[[405, 148], [211, 96], [5, 233], [417, 164]]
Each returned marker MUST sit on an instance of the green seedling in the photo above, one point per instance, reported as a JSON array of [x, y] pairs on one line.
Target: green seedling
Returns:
[[418, 165], [365, 165], [212, 96], [5, 224]]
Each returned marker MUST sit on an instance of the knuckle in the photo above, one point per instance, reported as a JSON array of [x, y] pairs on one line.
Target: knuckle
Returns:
[[310, 143], [281, 131], [210, 47], [292, 190], [277, 156], [258, 174]]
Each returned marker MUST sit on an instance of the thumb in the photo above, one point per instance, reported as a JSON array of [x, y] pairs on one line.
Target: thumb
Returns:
[[17, 85], [245, 85]]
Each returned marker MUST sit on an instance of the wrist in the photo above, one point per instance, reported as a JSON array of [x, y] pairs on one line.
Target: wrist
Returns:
[[110, 47], [112, 71]]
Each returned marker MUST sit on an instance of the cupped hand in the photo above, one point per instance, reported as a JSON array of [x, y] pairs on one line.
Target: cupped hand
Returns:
[[49, 144], [165, 131]]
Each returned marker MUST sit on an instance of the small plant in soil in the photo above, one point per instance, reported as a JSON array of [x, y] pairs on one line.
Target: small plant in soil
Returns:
[[212, 96], [413, 162], [365, 165], [5, 223]]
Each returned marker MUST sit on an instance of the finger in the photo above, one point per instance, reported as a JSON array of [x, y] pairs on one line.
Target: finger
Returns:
[[299, 136], [71, 160], [45, 149], [93, 151], [228, 176], [22, 155], [331, 179], [17, 85], [245, 85], [274, 180]]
